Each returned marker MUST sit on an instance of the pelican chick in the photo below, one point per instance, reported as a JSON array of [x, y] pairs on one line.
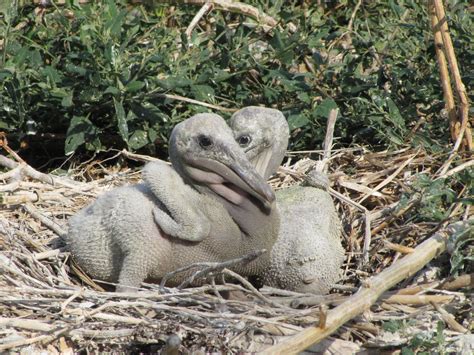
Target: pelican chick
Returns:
[[130, 234], [308, 255]]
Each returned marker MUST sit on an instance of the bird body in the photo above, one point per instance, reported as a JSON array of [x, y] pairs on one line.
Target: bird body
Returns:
[[308, 255], [120, 237]]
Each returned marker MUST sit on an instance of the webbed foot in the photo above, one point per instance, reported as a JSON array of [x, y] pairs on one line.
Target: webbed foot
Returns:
[[317, 179]]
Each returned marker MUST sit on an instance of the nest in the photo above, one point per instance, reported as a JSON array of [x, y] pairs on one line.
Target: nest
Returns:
[[48, 303]]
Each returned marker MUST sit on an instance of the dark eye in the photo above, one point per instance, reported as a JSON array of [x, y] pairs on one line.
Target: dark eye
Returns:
[[205, 142], [244, 140]]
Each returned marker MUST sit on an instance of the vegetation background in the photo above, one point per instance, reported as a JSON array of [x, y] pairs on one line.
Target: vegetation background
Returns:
[[90, 77]]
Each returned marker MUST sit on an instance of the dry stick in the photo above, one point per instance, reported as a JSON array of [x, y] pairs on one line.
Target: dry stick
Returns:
[[45, 220], [4, 145], [328, 139], [195, 102], [234, 6], [207, 7], [209, 267], [32, 173], [398, 247], [456, 170], [449, 319], [367, 232], [417, 299], [453, 66], [416, 198], [140, 157], [322, 166], [38, 339], [459, 282], [391, 177], [353, 15], [367, 296], [26, 323], [443, 71], [256, 292]]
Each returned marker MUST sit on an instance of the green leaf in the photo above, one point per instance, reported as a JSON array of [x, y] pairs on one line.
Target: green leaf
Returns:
[[297, 121], [75, 69], [138, 139], [395, 115], [76, 133], [51, 73], [203, 92], [112, 90], [323, 109], [121, 120], [59, 92], [174, 82], [304, 97], [134, 86], [67, 100]]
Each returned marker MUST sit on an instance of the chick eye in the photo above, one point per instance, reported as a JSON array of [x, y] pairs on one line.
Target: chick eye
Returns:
[[244, 140], [205, 142]]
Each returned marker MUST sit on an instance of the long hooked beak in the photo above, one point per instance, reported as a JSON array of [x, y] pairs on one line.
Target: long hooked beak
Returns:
[[229, 175]]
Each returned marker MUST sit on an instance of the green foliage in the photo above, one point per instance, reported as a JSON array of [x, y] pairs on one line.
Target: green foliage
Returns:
[[438, 199], [462, 253], [427, 344], [99, 70]]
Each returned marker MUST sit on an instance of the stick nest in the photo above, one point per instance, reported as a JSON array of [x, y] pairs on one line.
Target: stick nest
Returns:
[[48, 303]]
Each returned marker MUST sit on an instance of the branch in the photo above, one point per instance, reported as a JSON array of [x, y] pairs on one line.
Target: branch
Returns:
[[443, 71], [195, 102], [209, 267], [234, 6], [24, 169], [207, 7], [370, 292], [463, 131]]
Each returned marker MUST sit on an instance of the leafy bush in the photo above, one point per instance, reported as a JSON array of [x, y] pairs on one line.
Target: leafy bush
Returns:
[[96, 73]]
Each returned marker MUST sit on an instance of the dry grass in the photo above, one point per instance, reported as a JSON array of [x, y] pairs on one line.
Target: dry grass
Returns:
[[47, 303]]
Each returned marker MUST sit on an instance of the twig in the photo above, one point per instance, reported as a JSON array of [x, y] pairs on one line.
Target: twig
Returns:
[[234, 6], [454, 69], [26, 170], [38, 339], [4, 145], [449, 318], [208, 268], [353, 15], [458, 282], [23, 197], [443, 71], [204, 10], [251, 288], [367, 232], [24, 323], [367, 296], [139, 157], [321, 166], [416, 198], [195, 102], [47, 254], [391, 177], [323, 314], [417, 299], [45, 220], [456, 169], [398, 248], [102, 333]]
